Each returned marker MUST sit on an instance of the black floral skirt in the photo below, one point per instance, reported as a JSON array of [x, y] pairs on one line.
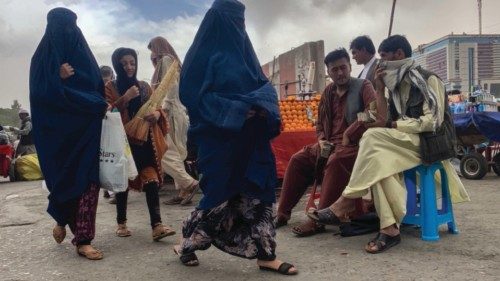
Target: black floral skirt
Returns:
[[241, 227]]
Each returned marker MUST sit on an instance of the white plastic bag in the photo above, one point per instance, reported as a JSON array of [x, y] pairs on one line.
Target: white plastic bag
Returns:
[[116, 164]]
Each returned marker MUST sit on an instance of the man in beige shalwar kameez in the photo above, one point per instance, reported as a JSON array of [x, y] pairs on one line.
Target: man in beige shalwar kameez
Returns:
[[385, 153]]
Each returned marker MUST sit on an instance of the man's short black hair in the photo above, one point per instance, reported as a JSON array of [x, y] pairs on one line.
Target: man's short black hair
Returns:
[[336, 55], [361, 42], [106, 71], [395, 42]]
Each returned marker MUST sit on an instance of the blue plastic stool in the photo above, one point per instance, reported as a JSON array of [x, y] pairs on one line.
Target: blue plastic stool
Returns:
[[422, 211]]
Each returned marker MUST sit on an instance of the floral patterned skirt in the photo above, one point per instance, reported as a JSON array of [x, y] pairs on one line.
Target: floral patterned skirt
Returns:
[[241, 227]]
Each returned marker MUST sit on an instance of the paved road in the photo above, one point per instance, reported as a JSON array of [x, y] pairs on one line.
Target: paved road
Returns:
[[28, 252]]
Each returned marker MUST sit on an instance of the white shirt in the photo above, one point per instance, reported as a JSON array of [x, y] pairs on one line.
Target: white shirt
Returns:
[[367, 68]]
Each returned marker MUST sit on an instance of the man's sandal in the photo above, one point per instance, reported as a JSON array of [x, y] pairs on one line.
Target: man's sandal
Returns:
[[160, 231], [122, 231], [383, 242], [59, 233], [279, 222], [305, 230], [187, 259], [324, 216], [284, 269], [91, 254]]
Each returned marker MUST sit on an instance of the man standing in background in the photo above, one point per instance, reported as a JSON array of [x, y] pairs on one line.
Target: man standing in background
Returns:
[[363, 52], [26, 145]]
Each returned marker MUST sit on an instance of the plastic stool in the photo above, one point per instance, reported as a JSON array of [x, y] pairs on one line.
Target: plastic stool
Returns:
[[421, 208]]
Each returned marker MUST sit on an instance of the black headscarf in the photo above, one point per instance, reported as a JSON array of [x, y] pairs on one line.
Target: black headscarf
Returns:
[[123, 82]]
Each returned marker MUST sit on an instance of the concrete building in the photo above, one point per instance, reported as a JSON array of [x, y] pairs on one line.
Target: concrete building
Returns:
[[464, 61], [291, 73]]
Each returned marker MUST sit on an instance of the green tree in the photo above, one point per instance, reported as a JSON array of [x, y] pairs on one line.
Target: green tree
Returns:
[[15, 105]]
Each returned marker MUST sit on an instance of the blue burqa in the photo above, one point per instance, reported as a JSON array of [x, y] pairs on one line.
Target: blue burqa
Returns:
[[221, 81], [67, 114]]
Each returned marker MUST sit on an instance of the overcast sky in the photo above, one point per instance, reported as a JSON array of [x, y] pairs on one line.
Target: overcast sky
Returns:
[[274, 26]]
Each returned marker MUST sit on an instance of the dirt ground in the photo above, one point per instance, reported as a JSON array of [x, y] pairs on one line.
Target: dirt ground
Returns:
[[28, 252]]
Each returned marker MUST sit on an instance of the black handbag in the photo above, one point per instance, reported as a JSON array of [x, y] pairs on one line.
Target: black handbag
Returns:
[[441, 144]]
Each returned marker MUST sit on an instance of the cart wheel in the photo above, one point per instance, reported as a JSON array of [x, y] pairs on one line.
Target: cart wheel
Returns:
[[496, 164], [473, 166]]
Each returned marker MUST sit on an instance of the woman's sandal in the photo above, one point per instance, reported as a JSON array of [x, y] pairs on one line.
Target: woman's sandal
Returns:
[[160, 231], [59, 233], [324, 216], [187, 259], [122, 231], [174, 201], [306, 230], [284, 269], [191, 192], [91, 254], [383, 242]]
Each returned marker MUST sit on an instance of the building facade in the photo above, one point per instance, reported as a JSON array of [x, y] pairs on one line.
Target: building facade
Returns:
[[464, 62], [300, 70]]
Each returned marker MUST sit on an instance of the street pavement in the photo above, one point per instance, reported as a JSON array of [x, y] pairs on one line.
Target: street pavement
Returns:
[[28, 251]]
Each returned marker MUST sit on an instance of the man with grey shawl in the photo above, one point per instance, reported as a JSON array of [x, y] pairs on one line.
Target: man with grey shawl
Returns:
[[416, 106]]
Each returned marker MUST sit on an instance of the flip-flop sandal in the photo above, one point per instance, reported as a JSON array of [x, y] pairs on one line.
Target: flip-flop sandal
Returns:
[[164, 233], [174, 201], [90, 255], [284, 269], [383, 242], [297, 230], [187, 259], [324, 216], [59, 233]]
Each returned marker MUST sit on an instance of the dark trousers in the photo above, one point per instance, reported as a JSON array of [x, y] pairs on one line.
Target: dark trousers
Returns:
[[300, 174], [152, 200]]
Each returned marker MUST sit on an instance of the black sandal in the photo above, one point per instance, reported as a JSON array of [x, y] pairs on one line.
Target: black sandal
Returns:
[[284, 269], [383, 242], [324, 216], [187, 259], [298, 230]]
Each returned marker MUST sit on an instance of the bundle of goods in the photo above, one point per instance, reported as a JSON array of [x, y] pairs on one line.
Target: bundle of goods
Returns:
[[299, 114], [479, 101]]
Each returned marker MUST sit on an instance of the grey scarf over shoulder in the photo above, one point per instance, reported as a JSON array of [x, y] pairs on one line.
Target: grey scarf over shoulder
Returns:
[[395, 72]]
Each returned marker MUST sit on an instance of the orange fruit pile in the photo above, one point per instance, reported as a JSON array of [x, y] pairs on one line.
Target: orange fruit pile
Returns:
[[294, 113]]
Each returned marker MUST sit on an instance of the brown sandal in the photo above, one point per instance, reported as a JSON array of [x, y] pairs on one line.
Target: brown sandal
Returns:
[[122, 231], [59, 233], [160, 231], [174, 201], [191, 192], [91, 254]]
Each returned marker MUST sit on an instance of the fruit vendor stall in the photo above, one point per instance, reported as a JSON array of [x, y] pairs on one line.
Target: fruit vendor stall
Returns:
[[298, 116]]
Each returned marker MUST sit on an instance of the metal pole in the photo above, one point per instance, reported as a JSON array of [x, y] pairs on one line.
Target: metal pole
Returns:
[[392, 17], [479, 7]]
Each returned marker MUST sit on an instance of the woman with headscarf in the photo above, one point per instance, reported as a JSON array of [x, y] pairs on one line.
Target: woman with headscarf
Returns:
[[127, 94], [67, 104], [234, 114], [162, 57]]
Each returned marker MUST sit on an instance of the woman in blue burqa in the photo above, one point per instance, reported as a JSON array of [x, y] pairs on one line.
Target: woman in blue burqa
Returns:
[[234, 115], [67, 105]]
